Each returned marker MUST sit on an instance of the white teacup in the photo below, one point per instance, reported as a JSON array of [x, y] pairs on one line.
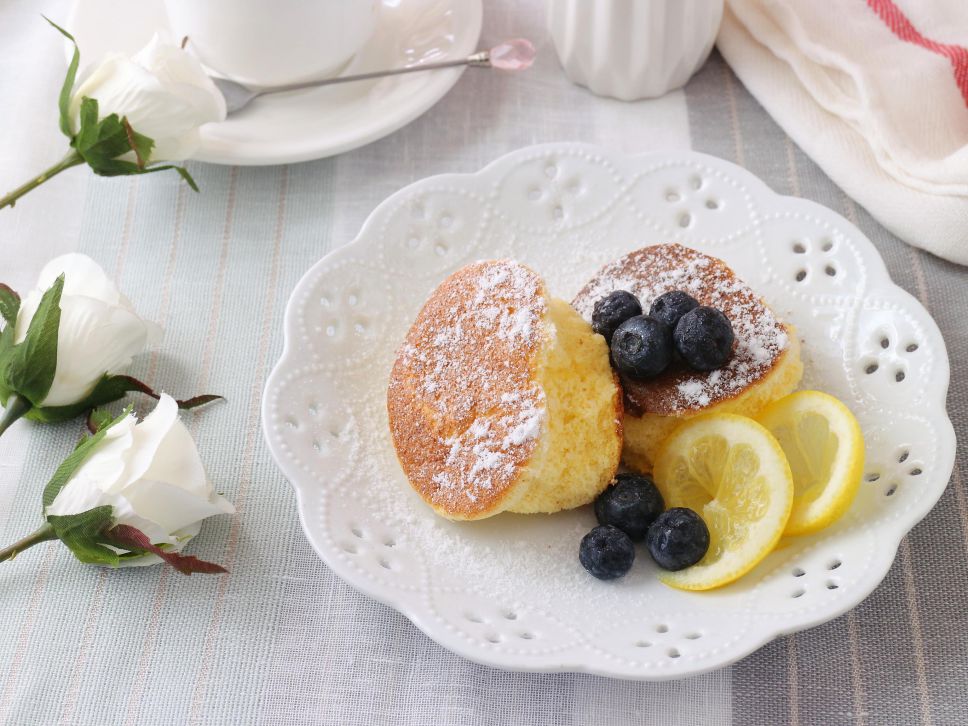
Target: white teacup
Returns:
[[274, 42]]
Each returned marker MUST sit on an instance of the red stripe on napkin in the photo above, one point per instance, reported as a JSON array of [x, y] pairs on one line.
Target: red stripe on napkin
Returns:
[[903, 28]]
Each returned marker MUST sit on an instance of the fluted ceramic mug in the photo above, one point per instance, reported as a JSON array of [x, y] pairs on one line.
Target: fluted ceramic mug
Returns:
[[274, 42], [631, 49]]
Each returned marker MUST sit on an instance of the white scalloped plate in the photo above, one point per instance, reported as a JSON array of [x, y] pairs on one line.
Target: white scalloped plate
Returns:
[[509, 591]]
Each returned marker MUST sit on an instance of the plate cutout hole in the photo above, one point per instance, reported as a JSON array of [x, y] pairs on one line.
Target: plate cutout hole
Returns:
[[493, 638], [510, 615], [673, 653], [331, 330], [643, 644], [798, 572], [526, 635], [357, 532], [831, 585], [360, 326], [695, 182], [712, 204], [798, 248], [692, 636], [446, 221], [903, 456], [873, 476], [891, 490], [534, 194], [685, 220], [885, 342], [827, 245], [385, 563], [801, 276], [473, 618], [662, 628], [558, 213], [672, 196], [871, 368], [441, 249], [915, 472], [551, 171], [349, 548], [834, 564], [389, 542], [353, 299], [899, 376], [911, 347], [830, 270], [799, 592], [325, 300]]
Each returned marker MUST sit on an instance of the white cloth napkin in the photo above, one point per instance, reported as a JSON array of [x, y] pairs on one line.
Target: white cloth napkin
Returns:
[[876, 92]]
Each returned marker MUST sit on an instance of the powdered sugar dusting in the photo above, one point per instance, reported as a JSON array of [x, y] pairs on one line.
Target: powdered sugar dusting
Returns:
[[649, 272], [464, 411]]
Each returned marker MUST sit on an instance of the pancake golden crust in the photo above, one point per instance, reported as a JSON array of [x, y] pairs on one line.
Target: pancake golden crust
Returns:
[[465, 413], [761, 338]]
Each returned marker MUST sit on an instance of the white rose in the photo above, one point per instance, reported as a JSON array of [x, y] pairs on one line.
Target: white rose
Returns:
[[99, 330], [151, 476], [162, 90]]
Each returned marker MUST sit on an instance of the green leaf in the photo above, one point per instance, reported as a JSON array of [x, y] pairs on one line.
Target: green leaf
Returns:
[[64, 100], [107, 390], [9, 305], [30, 365], [73, 462], [83, 534], [87, 133], [183, 173], [98, 419], [127, 537], [140, 144]]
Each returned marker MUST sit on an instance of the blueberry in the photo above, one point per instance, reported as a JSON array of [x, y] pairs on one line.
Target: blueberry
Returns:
[[678, 538], [642, 347], [606, 552], [613, 310], [672, 305], [704, 338], [630, 503]]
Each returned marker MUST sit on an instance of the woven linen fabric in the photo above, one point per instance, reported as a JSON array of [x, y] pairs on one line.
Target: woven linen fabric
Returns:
[[281, 640]]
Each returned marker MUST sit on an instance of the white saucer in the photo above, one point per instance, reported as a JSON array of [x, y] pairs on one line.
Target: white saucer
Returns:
[[304, 125]]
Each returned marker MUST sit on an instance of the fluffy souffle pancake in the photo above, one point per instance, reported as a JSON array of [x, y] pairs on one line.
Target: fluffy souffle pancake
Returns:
[[765, 364], [502, 398]]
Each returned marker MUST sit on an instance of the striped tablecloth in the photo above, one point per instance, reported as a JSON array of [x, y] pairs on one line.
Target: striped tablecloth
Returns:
[[281, 640]]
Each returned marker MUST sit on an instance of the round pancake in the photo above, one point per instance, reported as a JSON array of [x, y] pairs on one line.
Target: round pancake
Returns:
[[465, 412], [760, 338]]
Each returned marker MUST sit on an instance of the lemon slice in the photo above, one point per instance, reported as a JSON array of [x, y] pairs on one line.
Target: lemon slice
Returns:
[[824, 445], [733, 473]]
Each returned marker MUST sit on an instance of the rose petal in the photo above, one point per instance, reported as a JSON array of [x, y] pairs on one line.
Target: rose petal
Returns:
[[171, 507], [93, 339], [82, 276], [165, 451]]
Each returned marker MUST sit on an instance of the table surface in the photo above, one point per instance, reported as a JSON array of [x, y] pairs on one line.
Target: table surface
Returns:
[[281, 640]]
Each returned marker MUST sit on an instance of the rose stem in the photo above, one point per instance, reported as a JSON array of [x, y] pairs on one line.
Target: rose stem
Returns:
[[41, 535], [72, 159], [17, 406]]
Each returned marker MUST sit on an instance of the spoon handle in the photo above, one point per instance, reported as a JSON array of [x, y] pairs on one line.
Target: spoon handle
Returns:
[[479, 60]]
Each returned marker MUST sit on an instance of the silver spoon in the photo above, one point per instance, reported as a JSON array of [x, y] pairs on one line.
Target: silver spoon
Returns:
[[511, 55]]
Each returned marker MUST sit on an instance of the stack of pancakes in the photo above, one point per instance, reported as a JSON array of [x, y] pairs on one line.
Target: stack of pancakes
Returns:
[[502, 398]]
